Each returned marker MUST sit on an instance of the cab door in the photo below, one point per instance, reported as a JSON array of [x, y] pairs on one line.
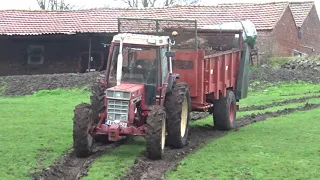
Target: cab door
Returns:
[[164, 74]]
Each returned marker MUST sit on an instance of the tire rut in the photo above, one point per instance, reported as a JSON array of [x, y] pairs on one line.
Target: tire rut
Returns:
[[279, 103], [145, 169], [70, 167]]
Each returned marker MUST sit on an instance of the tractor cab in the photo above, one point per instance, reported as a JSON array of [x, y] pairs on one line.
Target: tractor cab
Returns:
[[138, 67]]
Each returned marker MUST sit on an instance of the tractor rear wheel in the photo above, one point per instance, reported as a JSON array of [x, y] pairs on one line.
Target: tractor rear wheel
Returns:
[[97, 106], [156, 133], [82, 140], [224, 115], [178, 109]]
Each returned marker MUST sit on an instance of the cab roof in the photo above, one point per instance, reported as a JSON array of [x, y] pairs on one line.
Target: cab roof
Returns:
[[141, 39]]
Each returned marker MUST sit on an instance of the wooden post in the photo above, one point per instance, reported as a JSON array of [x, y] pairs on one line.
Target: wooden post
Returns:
[[89, 54]]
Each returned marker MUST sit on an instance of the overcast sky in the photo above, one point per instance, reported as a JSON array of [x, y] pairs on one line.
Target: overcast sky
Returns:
[[32, 4]]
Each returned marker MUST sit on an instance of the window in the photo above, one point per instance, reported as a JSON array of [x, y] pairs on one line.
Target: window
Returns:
[[139, 65], [164, 65], [297, 53], [299, 33], [35, 54]]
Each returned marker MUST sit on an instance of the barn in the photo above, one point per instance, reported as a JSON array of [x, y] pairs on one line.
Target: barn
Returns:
[[39, 42]]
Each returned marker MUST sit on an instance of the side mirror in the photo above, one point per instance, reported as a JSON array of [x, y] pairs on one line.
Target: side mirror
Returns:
[[170, 53]]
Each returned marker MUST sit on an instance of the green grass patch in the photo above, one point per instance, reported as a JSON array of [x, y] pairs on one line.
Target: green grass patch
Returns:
[[36, 130], [276, 62], [279, 148], [279, 92], [209, 121]]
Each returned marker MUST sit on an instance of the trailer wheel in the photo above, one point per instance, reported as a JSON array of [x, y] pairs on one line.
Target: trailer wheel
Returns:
[[178, 109], [156, 133], [97, 106], [82, 140], [225, 112]]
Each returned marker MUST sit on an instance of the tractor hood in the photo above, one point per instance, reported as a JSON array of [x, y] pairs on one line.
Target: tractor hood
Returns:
[[126, 91]]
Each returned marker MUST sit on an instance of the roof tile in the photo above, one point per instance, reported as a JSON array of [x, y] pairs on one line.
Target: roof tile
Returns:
[[300, 11], [17, 22]]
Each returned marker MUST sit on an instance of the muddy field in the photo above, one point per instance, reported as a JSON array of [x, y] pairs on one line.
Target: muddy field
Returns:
[[69, 167]]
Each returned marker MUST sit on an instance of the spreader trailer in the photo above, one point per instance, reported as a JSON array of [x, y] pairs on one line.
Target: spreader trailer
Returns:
[[154, 80]]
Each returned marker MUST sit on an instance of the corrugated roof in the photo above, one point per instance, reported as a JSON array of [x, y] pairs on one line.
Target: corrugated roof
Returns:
[[17, 22], [300, 11]]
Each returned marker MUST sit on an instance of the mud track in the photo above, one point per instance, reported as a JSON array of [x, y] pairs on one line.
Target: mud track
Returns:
[[145, 169], [279, 103], [70, 167]]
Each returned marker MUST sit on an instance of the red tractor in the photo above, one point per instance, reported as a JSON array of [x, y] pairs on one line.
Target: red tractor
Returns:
[[149, 90]]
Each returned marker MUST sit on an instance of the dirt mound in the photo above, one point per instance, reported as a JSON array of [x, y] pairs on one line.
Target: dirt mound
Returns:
[[145, 169], [280, 75], [28, 84]]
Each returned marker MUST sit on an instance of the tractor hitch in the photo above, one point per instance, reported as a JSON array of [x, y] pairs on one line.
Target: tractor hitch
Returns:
[[114, 132]]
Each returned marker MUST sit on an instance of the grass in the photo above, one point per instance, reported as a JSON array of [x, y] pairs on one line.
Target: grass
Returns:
[[281, 91], [35, 130], [276, 62], [285, 147], [209, 120]]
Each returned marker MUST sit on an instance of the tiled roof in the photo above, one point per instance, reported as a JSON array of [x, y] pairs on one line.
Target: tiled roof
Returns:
[[17, 22], [300, 11]]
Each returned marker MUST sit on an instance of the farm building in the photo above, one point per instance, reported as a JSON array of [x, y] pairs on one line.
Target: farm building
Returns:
[[36, 42]]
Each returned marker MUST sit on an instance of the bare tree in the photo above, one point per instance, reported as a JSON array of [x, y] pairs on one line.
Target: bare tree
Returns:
[[54, 5], [157, 3]]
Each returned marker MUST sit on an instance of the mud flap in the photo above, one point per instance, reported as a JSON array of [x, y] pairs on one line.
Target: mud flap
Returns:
[[243, 74]]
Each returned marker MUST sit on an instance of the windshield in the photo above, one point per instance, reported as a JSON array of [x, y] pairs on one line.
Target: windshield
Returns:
[[138, 66]]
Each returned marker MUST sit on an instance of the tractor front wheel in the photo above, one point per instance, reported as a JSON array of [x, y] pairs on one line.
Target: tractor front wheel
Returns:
[[224, 115], [178, 108], [156, 133], [82, 140], [97, 106]]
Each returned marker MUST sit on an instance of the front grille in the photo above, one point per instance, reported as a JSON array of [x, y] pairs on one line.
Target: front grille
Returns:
[[117, 109]]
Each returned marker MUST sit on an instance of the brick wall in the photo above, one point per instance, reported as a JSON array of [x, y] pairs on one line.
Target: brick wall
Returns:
[[264, 44], [61, 54], [311, 33], [286, 36]]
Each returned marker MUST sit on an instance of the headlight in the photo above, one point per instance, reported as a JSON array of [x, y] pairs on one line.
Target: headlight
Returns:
[[118, 94]]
